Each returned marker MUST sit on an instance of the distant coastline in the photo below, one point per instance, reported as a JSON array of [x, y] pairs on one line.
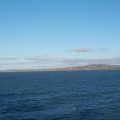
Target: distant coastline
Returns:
[[94, 67], [75, 68]]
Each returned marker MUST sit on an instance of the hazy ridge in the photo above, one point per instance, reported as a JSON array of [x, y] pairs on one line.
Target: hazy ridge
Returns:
[[85, 67]]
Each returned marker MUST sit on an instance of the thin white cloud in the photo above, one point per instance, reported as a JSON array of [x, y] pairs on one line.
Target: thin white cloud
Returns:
[[87, 50], [103, 49], [9, 58], [81, 50]]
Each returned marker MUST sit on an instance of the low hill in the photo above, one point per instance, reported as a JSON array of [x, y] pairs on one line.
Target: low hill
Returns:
[[92, 67]]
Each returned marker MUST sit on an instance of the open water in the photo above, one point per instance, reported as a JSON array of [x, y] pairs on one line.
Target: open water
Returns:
[[67, 95]]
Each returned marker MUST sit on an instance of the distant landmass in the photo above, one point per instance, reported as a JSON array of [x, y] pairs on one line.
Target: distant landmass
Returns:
[[92, 67], [85, 67]]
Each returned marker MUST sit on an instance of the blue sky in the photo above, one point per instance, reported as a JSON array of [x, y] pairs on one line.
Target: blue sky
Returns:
[[60, 31]]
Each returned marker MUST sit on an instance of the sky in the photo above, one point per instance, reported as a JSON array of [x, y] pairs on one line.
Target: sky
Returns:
[[37, 34]]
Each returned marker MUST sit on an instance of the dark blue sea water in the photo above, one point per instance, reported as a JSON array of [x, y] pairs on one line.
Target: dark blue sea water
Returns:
[[73, 95]]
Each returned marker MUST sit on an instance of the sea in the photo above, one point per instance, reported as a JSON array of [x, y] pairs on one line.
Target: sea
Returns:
[[60, 95]]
